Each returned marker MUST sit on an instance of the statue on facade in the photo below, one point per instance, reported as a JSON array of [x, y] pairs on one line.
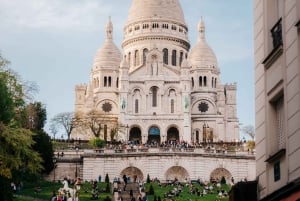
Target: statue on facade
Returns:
[[186, 102], [154, 65], [123, 103]]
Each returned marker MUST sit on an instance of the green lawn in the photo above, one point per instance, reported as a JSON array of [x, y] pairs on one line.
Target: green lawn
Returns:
[[28, 192], [185, 195]]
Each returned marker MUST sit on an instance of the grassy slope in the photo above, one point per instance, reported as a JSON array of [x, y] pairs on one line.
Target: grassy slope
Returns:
[[48, 187]]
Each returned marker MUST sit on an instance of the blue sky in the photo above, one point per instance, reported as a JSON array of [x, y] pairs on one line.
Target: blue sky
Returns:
[[53, 43]]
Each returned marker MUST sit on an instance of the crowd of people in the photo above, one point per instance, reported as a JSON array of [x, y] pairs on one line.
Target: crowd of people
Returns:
[[133, 189], [135, 192]]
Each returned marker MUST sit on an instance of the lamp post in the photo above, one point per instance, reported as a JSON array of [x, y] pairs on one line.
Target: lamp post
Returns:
[[244, 143], [193, 137], [76, 173], [127, 137]]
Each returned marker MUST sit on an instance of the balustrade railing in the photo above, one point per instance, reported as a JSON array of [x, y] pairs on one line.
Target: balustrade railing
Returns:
[[204, 147]]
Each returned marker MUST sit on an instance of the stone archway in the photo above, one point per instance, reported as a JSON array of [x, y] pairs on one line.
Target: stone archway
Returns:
[[135, 135], [218, 173], [132, 173], [173, 134], [176, 172]]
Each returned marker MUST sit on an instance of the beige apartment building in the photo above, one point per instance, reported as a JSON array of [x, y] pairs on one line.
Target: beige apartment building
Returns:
[[277, 98]]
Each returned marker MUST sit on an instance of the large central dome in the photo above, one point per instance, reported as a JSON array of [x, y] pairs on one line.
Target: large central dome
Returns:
[[155, 23], [142, 10]]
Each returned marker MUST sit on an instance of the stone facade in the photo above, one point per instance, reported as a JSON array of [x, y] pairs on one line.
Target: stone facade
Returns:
[[163, 165], [277, 97], [158, 89], [166, 166]]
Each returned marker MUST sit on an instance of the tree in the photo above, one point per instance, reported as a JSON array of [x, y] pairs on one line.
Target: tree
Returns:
[[117, 127], [96, 122], [16, 151], [148, 179], [43, 146], [6, 192], [106, 178], [93, 122], [34, 116], [97, 142], [64, 120], [53, 130], [151, 190], [6, 103], [15, 142], [223, 180], [249, 130]]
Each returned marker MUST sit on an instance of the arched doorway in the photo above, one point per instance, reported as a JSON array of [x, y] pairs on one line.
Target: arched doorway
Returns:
[[135, 135], [154, 135], [173, 134], [217, 174], [133, 173], [177, 172]]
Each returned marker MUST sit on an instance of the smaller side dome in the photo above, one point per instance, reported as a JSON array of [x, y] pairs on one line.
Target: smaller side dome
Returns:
[[201, 55], [109, 55]]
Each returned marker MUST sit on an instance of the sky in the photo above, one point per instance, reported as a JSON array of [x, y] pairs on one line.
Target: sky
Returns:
[[53, 43]]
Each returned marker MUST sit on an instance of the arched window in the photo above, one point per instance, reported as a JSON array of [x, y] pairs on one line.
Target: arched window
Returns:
[[180, 58], [200, 81], [136, 106], [154, 96], [174, 57], [204, 80], [129, 59], [166, 56], [192, 82], [136, 58], [97, 82], [215, 82], [117, 83], [109, 81], [145, 51], [172, 106], [155, 25], [105, 81], [212, 82], [94, 82]]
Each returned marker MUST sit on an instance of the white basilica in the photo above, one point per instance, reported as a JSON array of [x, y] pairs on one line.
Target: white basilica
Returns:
[[157, 88]]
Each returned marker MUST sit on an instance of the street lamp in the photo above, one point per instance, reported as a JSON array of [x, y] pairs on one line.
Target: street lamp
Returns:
[[76, 173], [193, 137], [127, 137]]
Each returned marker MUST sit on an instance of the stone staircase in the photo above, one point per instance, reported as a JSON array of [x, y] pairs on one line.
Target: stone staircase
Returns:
[[126, 194]]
